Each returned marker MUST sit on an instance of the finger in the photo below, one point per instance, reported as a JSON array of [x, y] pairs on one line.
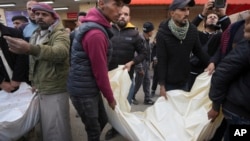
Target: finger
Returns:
[[212, 120], [12, 49], [8, 38]]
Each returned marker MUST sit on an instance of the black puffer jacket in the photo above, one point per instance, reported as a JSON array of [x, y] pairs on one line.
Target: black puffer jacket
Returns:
[[125, 43], [230, 85]]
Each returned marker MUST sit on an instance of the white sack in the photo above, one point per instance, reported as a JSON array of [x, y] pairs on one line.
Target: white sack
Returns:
[[183, 117], [19, 113]]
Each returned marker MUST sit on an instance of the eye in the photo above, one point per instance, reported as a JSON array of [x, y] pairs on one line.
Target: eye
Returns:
[[119, 4]]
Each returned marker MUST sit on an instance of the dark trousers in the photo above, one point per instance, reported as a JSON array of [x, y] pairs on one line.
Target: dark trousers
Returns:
[[143, 80], [92, 113], [233, 119], [220, 131], [181, 86], [155, 79], [191, 79]]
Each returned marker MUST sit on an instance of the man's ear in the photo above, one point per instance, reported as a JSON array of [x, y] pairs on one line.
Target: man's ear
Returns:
[[100, 4], [171, 13]]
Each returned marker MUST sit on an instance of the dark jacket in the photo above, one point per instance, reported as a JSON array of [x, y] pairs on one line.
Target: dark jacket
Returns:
[[223, 22], [88, 73], [230, 85], [18, 63], [173, 54], [125, 43], [210, 42], [231, 36]]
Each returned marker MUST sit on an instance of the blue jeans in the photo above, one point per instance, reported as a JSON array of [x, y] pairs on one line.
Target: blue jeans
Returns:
[[92, 113], [233, 119], [131, 91]]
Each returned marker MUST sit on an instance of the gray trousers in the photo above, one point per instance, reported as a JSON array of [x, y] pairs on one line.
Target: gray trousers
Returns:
[[54, 117], [143, 80]]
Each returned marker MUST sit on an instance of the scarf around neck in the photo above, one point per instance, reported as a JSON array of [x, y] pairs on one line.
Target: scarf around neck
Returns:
[[179, 32]]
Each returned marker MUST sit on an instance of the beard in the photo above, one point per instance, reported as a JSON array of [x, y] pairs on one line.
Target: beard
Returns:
[[182, 23], [212, 26], [121, 23], [43, 25]]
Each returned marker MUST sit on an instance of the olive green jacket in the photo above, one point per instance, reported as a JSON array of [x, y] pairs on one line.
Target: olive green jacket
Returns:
[[49, 60]]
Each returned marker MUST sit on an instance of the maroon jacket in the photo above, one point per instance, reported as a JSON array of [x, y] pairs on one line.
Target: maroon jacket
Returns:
[[95, 43]]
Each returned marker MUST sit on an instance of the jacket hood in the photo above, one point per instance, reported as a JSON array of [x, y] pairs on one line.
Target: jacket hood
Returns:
[[128, 26], [163, 27], [94, 15]]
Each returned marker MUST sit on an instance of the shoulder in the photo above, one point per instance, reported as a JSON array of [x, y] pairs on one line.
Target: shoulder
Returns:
[[95, 34], [193, 28], [132, 32]]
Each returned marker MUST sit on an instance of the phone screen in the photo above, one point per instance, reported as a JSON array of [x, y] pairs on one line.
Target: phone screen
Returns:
[[219, 3]]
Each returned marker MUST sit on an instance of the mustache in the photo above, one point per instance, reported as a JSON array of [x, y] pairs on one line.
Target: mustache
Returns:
[[186, 17], [40, 20], [122, 20]]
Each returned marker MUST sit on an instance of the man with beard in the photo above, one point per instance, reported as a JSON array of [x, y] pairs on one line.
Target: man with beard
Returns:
[[49, 54], [215, 20], [175, 40], [126, 42], [30, 28]]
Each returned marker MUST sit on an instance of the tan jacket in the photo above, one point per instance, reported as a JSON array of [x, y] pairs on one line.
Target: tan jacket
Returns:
[[49, 60]]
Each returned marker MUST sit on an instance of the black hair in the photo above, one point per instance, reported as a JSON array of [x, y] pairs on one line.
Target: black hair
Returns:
[[20, 17], [82, 13]]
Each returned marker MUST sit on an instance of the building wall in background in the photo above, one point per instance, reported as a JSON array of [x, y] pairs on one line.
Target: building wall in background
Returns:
[[2, 16]]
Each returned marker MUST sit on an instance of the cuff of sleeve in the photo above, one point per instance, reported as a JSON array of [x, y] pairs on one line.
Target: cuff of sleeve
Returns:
[[135, 62], [34, 50], [161, 82], [110, 99], [223, 18], [216, 107], [201, 16]]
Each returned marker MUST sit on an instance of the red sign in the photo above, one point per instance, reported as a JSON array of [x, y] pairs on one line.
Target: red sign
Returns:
[[72, 15]]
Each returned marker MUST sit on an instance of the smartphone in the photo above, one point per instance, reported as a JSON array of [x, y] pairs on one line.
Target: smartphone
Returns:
[[219, 3]]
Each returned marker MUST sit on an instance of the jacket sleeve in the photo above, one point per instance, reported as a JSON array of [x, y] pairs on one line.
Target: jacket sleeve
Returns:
[[224, 22], [197, 20], [227, 71], [97, 53], [216, 57], [56, 52], [162, 58], [140, 50], [197, 51], [21, 68]]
